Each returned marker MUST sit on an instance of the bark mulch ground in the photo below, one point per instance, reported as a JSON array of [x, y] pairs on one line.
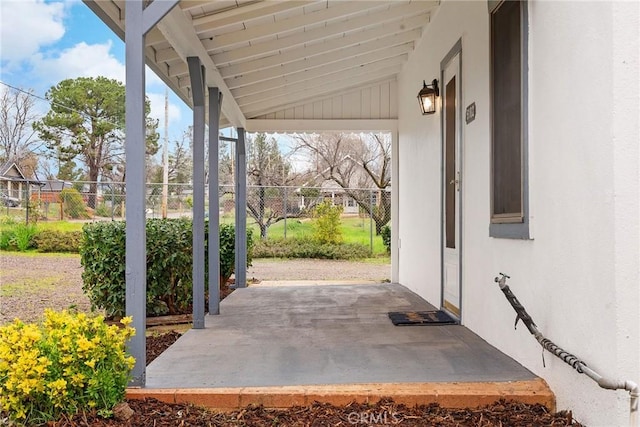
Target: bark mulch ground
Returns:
[[156, 344], [151, 412]]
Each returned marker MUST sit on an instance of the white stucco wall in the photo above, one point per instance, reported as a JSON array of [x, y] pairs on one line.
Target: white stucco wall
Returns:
[[579, 277]]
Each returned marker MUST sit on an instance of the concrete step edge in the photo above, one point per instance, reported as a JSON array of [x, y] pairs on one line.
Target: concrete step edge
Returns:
[[447, 395]]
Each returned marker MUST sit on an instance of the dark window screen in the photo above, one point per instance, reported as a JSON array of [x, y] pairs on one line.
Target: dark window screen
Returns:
[[506, 66]]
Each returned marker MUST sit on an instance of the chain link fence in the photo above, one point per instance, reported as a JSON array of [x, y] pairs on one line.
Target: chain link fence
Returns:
[[278, 212]]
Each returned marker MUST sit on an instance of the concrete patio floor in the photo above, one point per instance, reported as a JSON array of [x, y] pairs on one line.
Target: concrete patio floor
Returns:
[[301, 340]]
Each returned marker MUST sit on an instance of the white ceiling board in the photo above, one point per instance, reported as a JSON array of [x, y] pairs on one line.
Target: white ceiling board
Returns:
[[351, 66], [320, 59], [245, 14], [346, 58], [288, 98], [317, 125], [365, 38], [280, 27], [384, 20]]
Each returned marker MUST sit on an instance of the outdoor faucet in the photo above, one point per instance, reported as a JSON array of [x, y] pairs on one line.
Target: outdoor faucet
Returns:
[[502, 280]]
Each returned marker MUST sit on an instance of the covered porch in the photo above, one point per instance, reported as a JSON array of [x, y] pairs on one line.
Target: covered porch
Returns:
[[285, 66], [294, 344]]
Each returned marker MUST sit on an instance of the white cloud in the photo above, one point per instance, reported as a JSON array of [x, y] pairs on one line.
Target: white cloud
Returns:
[[152, 80], [27, 25], [81, 60]]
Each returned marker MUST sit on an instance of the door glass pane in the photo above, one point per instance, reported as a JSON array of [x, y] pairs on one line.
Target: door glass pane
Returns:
[[450, 162]]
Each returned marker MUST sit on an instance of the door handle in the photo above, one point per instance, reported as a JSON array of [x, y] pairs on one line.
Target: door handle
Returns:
[[456, 182]]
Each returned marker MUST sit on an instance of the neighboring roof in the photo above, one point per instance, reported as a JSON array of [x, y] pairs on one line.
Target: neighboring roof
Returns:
[[5, 171], [56, 185], [297, 60]]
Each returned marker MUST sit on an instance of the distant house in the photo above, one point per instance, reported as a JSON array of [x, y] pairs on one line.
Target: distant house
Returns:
[[50, 191], [13, 181]]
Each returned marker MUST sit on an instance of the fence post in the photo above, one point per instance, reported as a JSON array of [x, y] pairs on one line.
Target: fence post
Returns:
[[27, 202], [285, 204], [371, 220], [113, 200]]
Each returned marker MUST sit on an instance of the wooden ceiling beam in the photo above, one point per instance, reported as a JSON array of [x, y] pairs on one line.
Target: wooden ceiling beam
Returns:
[[347, 58], [364, 38], [384, 20], [245, 14]]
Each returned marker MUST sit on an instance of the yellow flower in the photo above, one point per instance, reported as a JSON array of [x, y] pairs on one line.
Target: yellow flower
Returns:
[[84, 345], [77, 379], [126, 320]]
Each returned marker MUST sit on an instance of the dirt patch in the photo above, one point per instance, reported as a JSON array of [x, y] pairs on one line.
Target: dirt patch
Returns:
[[29, 283], [151, 412], [320, 269]]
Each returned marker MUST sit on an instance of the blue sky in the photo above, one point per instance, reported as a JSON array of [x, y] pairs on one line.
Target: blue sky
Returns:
[[43, 42]]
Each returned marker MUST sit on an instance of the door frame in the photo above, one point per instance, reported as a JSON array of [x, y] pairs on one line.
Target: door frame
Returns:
[[455, 50]]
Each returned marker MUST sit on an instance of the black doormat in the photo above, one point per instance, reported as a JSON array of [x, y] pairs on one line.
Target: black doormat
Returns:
[[435, 317]]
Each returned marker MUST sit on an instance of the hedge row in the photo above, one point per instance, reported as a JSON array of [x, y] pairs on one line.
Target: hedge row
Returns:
[[309, 248], [23, 237], [169, 264]]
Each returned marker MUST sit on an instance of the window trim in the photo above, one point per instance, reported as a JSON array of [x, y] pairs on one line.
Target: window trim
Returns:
[[513, 226]]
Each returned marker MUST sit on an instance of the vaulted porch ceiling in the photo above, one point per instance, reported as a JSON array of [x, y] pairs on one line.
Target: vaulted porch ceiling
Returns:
[[275, 59]]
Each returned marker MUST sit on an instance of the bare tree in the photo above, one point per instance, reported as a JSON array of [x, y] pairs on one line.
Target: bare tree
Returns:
[[17, 138], [356, 163], [268, 173]]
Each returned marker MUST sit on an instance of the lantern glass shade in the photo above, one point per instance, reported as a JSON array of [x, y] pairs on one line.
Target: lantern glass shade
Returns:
[[427, 97]]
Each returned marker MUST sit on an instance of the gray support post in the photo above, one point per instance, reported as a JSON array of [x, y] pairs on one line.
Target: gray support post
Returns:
[[395, 208], [138, 23], [215, 102], [135, 264], [196, 73], [241, 212]]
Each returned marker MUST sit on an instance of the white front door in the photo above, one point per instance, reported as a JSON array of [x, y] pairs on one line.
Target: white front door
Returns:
[[451, 180]]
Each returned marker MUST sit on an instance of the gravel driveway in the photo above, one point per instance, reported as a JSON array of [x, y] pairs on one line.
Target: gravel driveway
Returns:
[[29, 283]]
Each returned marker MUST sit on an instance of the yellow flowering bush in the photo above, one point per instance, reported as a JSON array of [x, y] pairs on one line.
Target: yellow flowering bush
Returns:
[[66, 363]]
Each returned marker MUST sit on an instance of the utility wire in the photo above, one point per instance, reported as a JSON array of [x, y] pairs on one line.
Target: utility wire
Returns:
[[86, 115]]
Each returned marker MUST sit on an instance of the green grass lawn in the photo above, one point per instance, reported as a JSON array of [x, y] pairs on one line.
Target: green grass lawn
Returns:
[[354, 230], [49, 225]]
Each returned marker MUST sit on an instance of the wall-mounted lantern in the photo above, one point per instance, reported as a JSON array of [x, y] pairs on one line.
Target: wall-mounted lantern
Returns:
[[427, 97]]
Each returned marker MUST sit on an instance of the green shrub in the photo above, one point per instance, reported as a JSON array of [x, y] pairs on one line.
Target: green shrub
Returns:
[[35, 211], [103, 210], [57, 241], [326, 227], [8, 220], [169, 264], [385, 233], [7, 239], [66, 364], [308, 248], [23, 236], [103, 258], [228, 250], [72, 204]]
